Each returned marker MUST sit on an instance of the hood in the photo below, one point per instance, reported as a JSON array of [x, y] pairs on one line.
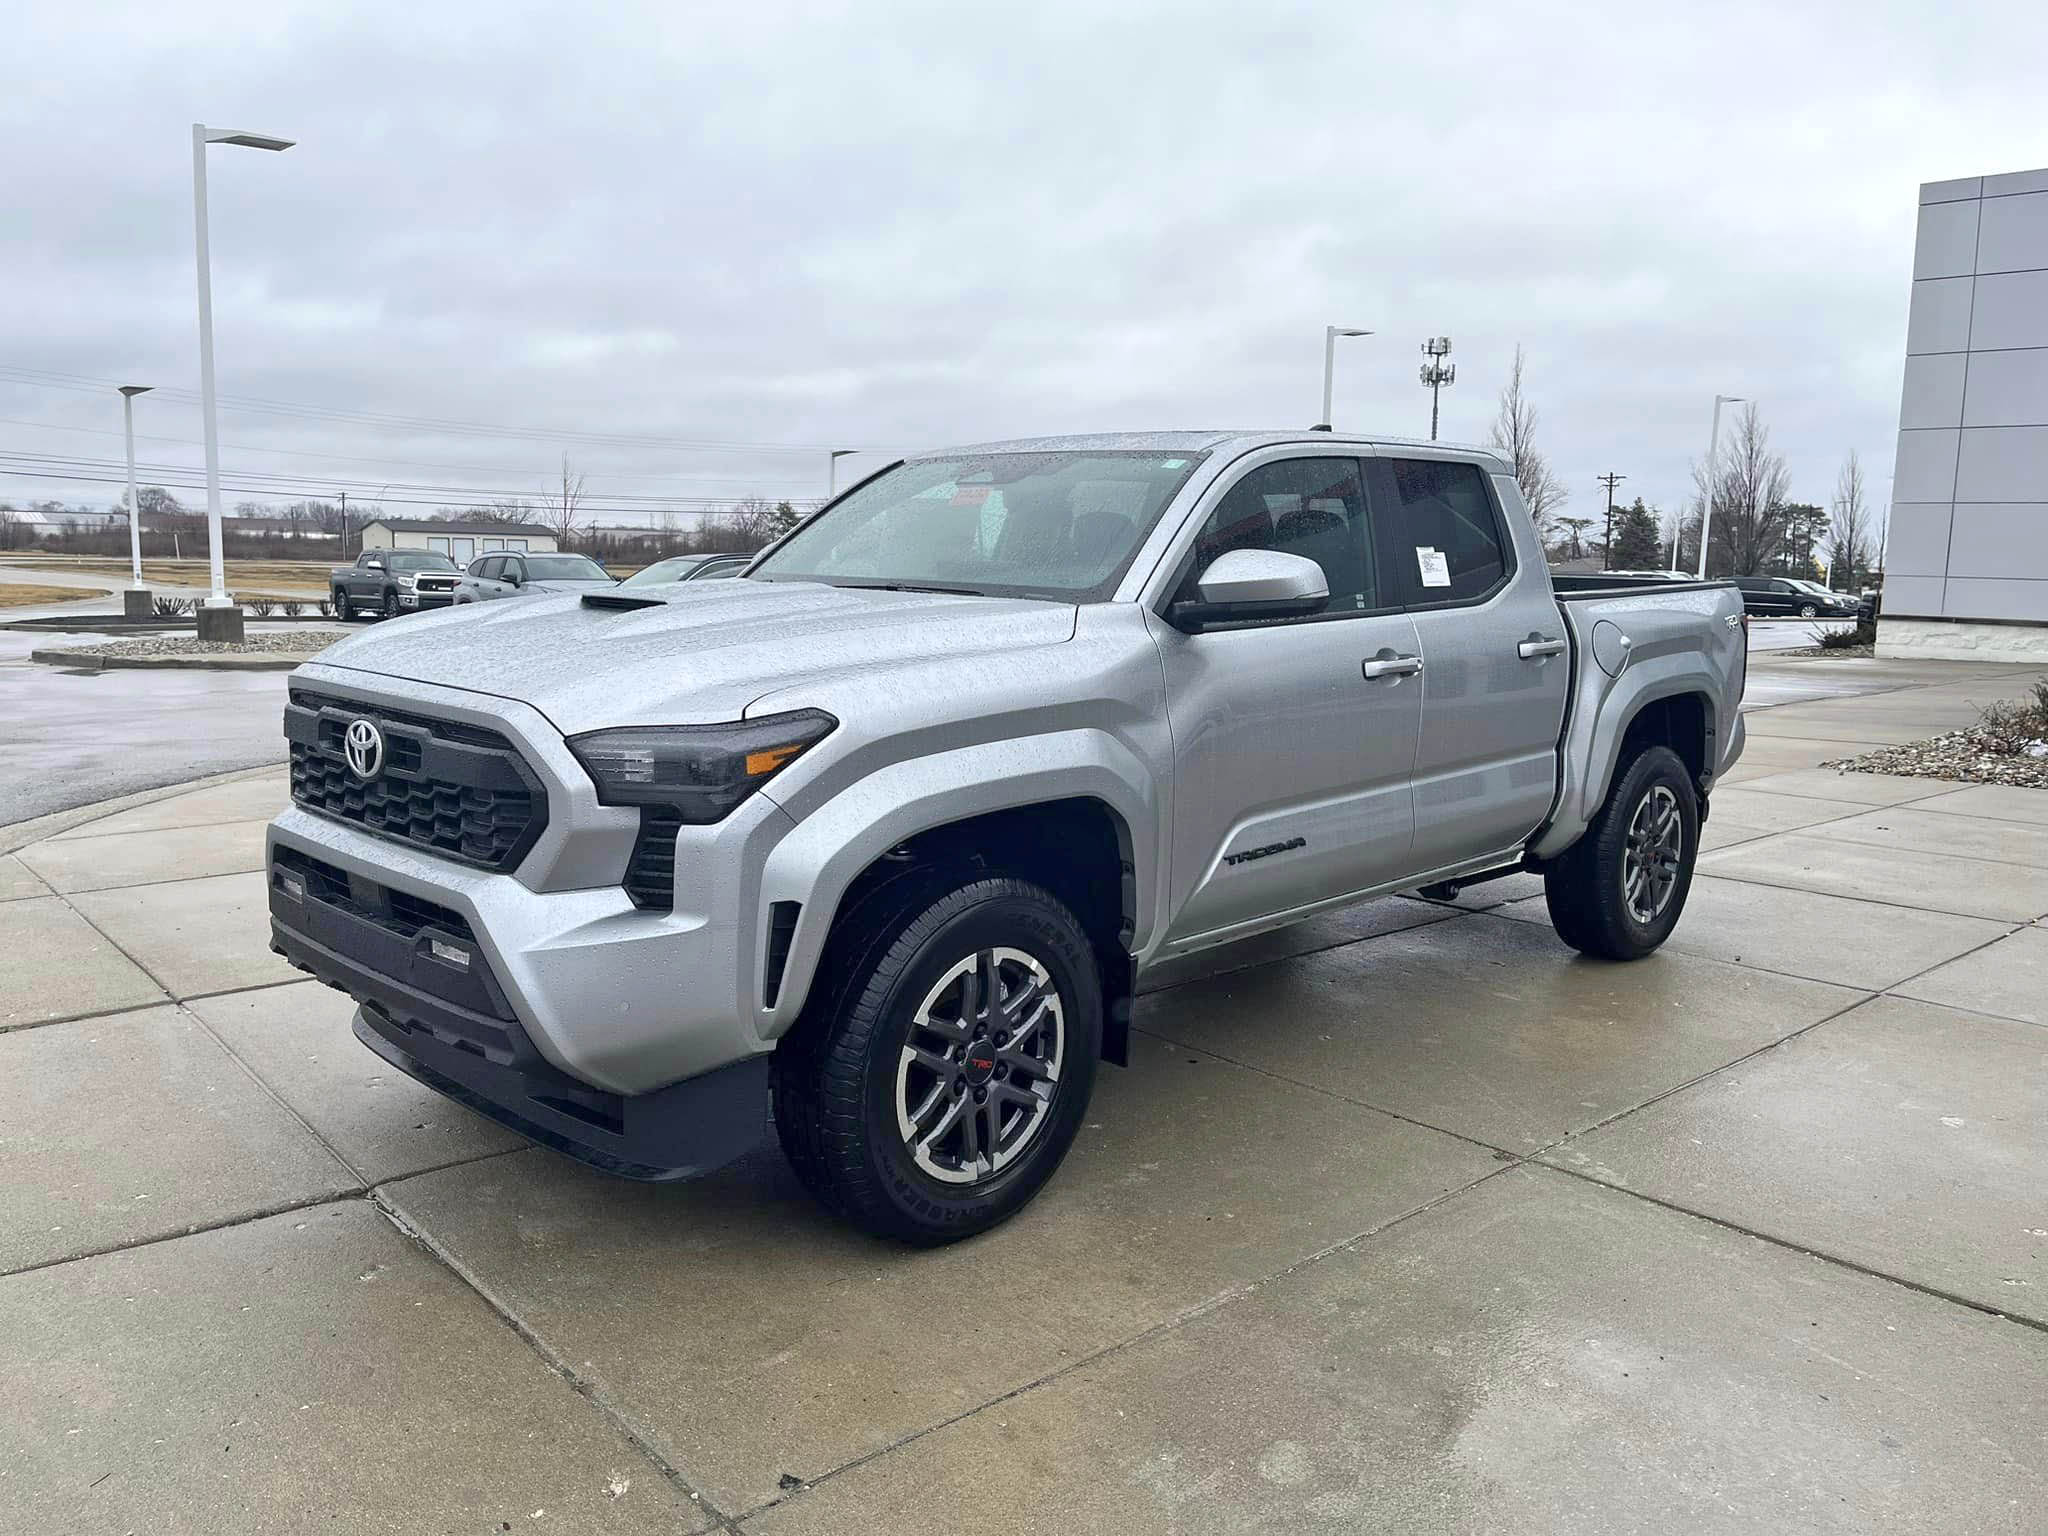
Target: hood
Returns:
[[569, 584], [703, 652]]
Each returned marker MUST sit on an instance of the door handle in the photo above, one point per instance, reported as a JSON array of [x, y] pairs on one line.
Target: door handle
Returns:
[[1529, 650], [1391, 666]]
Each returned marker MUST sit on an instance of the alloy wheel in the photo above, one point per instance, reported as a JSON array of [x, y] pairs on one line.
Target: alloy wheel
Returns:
[[1651, 857], [980, 1068]]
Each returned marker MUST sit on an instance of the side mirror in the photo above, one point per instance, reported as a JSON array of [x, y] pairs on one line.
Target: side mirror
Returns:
[[512, 576], [1250, 584]]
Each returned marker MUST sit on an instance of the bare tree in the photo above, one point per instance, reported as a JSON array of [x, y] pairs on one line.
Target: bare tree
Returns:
[[753, 521], [1750, 513], [562, 507], [1849, 542], [1569, 545], [1513, 436]]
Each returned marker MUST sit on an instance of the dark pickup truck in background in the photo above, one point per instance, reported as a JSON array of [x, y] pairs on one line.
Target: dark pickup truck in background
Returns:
[[393, 581]]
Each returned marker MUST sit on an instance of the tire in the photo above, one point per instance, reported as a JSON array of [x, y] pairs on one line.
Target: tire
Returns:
[[1809, 612], [1586, 887], [862, 1102], [390, 602], [343, 608]]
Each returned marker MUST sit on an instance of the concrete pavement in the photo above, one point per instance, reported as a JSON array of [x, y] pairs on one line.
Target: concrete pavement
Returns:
[[1406, 1219]]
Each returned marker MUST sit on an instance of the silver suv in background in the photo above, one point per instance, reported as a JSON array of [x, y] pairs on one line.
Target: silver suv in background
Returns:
[[519, 575], [886, 830]]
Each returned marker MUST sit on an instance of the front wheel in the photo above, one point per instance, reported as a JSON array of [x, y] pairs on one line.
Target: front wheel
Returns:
[[1618, 891], [1809, 612], [390, 603], [945, 1060]]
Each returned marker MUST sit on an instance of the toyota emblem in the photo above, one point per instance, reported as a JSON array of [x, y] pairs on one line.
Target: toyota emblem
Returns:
[[363, 745]]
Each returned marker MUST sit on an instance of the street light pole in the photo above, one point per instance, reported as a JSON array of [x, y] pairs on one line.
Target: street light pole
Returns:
[[1707, 501], [832, 459], [128, 394], [1330, 335], [201, 137]]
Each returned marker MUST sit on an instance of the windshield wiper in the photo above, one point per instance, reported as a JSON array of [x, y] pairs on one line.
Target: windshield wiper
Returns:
[[907, 586]]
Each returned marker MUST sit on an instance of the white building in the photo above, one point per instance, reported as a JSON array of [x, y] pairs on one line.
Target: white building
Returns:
[[461, 542], [1966, 564]]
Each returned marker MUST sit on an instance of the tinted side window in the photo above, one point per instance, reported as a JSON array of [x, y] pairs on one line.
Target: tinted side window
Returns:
[[1448, 530], [1314, 508]]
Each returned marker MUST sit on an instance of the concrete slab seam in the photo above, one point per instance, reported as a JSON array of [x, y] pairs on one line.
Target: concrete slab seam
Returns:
[[641, 1440], [1180, 1319]]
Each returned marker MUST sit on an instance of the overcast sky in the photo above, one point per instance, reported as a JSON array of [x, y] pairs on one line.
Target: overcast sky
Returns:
[[892, 226]]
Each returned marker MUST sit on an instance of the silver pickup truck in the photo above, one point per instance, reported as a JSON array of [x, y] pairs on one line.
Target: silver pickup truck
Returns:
[[883, 833]]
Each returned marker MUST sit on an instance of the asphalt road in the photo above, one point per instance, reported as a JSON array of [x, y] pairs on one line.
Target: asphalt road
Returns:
[[73, 738]]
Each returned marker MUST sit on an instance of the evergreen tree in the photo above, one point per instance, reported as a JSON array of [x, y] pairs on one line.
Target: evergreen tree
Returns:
[[1638, 542]]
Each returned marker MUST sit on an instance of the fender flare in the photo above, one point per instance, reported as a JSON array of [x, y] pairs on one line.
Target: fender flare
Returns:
[[1597, 742], [817, 863]]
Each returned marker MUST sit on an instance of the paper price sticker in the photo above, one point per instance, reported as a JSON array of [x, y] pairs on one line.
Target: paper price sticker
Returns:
[[1436, 570]]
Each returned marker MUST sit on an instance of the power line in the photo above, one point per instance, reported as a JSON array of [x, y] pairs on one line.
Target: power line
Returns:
[[52, 379], [357, 458]]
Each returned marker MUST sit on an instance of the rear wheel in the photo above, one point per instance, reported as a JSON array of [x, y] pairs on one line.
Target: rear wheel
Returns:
[[944, 1064], [342, 606], [1618, 891]]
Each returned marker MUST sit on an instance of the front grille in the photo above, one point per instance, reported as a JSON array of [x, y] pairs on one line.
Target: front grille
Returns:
[[438, 585], [456, 790], [393, 910], [651, 872]]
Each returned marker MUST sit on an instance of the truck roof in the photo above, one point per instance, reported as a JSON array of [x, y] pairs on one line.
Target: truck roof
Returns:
[[1241, 440]]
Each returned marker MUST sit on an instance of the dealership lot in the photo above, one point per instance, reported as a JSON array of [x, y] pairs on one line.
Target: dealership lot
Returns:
[[1406, 1217]]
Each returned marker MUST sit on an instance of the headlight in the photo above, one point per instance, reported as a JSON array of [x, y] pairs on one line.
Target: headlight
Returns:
[[702, 770]]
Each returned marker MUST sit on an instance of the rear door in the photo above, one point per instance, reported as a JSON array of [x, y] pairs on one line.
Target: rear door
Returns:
[[1496, 666], [1293, 739]]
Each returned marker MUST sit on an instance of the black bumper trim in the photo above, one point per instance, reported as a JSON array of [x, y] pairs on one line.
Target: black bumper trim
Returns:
[[678, 1132], [491, 1065]]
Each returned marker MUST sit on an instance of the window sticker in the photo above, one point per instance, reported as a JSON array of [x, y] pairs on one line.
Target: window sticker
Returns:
[[1436, 570], [970, 495]]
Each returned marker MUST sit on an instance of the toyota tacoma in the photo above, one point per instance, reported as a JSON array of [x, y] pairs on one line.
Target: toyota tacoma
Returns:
[[873, 843]]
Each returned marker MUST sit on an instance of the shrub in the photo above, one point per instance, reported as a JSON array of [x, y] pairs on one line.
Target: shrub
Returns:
[[326, 606], [1865, 633], [293, 607], [172, 607], [261, 607]]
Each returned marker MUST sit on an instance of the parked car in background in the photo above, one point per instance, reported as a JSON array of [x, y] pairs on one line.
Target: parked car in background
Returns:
[[890, 830], [688, 568], [393, 581], [491, 576], [1782, 597]]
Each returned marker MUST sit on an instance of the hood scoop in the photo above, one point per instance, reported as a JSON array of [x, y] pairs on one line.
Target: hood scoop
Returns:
[[618, 600]]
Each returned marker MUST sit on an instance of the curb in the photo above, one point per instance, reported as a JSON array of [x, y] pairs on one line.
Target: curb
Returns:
[[226, 661], [20, 834]]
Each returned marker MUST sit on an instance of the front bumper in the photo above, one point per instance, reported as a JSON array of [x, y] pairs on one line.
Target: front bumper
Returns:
[[417, 601], [432, 1006]]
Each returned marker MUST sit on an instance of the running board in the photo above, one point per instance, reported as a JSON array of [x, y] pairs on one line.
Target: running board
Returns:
[[1448, 890]]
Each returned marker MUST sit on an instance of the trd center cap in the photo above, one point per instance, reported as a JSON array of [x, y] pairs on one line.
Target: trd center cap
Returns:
[[980, 1065]]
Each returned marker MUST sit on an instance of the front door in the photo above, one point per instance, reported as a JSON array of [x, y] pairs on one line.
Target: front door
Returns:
[[1293, 740]]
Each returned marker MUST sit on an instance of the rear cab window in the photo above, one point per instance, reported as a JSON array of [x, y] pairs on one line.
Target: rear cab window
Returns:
[[1448, 541]]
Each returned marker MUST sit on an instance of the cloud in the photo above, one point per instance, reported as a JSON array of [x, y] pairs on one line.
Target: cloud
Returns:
[[902, 226]]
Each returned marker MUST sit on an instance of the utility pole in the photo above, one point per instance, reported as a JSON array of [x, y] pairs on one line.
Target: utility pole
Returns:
[[1610, 480], [1437, 374], [344, 527]]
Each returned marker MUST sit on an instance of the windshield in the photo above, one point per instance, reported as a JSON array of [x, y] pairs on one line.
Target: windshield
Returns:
[[564, 568], [674, 569], [421, 562], [1059, 525]]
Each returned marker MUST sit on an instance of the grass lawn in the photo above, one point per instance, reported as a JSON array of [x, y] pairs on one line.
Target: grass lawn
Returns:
[[13, 595], [292, 577]]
